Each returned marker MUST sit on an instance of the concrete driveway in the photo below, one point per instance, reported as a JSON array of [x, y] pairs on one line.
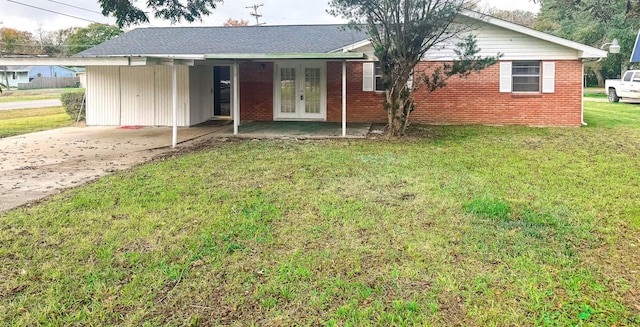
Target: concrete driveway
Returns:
[[33, 166], [30, 104]]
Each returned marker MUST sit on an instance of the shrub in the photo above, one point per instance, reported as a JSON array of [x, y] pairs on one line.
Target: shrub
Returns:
[[72, 103]]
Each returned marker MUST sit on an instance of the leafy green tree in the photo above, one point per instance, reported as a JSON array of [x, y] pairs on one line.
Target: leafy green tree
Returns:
[[402, 31], [593, 22], [520, 17], [13, 41], [94, 34], [628, 7], [127, 13], [53, 43]]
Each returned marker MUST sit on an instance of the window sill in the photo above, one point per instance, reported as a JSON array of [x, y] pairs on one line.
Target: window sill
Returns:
[[526, 95]]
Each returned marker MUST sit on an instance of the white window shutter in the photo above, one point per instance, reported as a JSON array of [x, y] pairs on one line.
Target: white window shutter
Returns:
[[505, 77], [368, 79], [548, 77]]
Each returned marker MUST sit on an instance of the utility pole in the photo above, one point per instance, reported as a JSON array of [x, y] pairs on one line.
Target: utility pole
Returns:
[[256, 14]]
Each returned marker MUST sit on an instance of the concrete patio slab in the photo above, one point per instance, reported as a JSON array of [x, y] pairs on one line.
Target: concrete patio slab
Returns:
[[298, 129], [33, 166]]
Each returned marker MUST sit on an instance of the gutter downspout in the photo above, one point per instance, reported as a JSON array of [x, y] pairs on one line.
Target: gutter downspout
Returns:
[[582, 98]]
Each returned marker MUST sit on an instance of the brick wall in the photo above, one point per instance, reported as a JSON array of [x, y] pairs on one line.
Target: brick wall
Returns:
[[361, 106], [256, 91], [477, 100], [474, 100]]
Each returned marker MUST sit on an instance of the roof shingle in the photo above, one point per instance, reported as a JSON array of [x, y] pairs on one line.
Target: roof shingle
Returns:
[[223, 40]]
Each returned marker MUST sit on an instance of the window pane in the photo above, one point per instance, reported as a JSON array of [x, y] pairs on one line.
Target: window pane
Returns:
[[379, 84], [287, 90], [312, 90], [526, 84], [525, 76], [525, 68], [378, 69], [627, 76]]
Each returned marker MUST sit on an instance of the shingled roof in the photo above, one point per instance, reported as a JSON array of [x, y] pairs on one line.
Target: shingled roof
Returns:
[[225, 40]]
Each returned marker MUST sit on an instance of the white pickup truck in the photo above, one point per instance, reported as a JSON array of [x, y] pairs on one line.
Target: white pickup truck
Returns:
[[628, 87]]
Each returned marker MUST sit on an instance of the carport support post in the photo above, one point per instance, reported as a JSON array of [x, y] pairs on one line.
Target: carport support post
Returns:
[[236, 97], [344, 98], [174, 85]]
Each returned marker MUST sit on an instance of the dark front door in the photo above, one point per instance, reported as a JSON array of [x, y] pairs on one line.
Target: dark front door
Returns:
[[222, 91]]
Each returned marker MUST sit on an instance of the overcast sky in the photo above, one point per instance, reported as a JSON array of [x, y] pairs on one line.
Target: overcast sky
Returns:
[[275, 12]]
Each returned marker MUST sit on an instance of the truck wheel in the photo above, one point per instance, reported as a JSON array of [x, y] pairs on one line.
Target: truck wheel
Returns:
[[613, 97]]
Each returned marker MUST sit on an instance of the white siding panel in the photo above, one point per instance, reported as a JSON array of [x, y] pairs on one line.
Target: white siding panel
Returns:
[[137, 95], [103, 96], [513, 45], [183, 95], [201, 94], [164, 99], [548, 77], [164, 95]]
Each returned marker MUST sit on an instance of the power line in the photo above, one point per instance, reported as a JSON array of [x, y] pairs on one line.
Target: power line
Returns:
[[72, 6], [55, 12]]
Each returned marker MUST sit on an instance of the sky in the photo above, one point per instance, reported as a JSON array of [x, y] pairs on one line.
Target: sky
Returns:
[[274, 12]]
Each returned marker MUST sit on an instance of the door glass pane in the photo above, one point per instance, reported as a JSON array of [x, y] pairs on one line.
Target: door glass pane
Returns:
[[287, 90], [312, 90]]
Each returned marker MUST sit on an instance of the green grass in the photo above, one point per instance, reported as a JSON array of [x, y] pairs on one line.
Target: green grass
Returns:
[[468, 226], [21, 121], [31, 95], [594, 92], [619, 116]]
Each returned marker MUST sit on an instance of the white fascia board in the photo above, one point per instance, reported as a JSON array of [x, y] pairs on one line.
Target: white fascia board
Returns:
[[163, 56], [353, 46], [119, 61], [285, 56], [169, 62], [98, 61], [585, 51]]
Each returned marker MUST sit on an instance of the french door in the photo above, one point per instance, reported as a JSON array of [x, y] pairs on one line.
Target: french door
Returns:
[[300, 91]]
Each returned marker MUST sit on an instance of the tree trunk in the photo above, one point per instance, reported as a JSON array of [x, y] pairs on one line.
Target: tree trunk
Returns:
[[398, 109], [6, 77], [398, 105], [599, 77]]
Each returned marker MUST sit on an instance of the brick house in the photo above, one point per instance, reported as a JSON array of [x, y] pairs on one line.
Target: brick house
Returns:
[[184, 76]]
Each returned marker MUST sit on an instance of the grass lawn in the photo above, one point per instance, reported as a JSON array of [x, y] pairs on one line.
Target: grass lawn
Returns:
[[39, 94], [21, 121], [468, 226], [594, 92]]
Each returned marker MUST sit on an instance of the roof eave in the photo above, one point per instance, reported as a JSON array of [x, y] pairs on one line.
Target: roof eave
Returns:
[[284, 56]]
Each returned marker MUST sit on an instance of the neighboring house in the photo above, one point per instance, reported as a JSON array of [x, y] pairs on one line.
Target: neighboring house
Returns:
[[51, 71], [15, 74], [322, 72], [24, 74]]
